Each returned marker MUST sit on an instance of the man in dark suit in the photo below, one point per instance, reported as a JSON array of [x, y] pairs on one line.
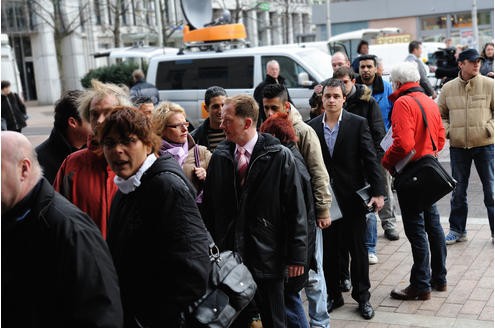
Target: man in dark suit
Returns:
[[351, 161]]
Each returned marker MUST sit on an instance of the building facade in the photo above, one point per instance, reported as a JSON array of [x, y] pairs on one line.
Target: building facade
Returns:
[[426, 20], [38, 30]]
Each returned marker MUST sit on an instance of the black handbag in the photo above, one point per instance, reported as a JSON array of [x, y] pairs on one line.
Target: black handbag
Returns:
[[422, 182], [231, 288]]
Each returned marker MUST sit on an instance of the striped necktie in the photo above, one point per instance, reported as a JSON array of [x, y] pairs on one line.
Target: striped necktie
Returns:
[[242, 164]]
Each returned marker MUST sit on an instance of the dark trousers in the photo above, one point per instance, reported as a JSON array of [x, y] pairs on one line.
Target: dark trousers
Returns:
[[426, 235], [349, 232], [269, 301]]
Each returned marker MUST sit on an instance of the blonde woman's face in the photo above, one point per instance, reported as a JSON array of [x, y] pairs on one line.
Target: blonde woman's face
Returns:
[[176, 129]]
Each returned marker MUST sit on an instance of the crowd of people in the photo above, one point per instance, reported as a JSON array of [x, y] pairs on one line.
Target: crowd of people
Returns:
[[118, 204]]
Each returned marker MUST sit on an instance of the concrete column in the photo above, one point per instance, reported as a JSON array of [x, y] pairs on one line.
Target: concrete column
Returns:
[[265, 33], [277, 30], [298, 26], [73, 61], [290, 27], [252, 28], [48, 87]]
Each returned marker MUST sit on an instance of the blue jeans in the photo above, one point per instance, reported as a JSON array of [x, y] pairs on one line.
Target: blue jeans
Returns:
[[294, 310], [371, 234], [425, 234], [460, 161], [316, 289]]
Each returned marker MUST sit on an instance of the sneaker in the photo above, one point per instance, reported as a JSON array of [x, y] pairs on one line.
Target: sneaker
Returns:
[[453, 238], [391, 234], [372, 258]]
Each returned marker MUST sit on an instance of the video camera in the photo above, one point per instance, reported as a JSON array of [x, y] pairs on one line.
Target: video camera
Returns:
[[446, 63]]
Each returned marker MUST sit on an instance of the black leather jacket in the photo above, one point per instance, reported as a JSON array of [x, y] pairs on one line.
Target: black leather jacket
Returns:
[[265, 221]]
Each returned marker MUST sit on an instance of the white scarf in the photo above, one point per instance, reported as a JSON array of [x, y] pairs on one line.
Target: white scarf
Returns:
[[130, 184]]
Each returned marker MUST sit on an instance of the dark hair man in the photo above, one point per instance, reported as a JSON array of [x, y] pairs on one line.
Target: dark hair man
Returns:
[[69, 134], [362, 49], [272, 77], [380, 90], [143, 88], [351, 162], [423, 230], [252, 205], [144, 104], [415, 52], [466, 106], [209, 134], [56, 268], [275, 100], [13, 109]]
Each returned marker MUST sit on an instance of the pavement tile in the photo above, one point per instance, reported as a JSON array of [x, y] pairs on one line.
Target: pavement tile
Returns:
[[486, 313], [472, 307], [462, 291], [410, 307], [481, 294], [449, 310], [434, 304]]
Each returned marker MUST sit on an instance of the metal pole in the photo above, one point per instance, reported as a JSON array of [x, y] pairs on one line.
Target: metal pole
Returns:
[[329, 23], [474, 19]]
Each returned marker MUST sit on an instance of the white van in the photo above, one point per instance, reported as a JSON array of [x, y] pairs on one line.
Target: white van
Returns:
[[10, 71], [183, 79]]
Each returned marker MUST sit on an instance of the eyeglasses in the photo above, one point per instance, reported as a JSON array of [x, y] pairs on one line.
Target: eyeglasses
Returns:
[[110, 143], [184, 125]]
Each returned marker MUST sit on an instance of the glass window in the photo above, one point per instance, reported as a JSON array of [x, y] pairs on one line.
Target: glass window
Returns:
[[434, 22], [289, 69], [230, 73]]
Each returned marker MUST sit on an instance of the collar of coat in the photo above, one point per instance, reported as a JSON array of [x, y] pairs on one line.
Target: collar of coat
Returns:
[[377, 84]]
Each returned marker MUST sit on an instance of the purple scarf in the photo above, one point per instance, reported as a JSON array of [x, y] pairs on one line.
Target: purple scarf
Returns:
[[178, 151]]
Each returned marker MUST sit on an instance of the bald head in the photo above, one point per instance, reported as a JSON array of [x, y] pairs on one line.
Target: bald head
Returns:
[[339, 59], [20, 168]]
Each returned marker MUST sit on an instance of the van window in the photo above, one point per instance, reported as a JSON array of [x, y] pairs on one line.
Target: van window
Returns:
[[289, 69], [202, 73]]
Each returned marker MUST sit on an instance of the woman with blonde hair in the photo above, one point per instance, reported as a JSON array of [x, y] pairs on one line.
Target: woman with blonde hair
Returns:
[[169, 122]]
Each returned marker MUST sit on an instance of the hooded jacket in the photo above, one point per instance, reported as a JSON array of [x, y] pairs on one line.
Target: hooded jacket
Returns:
[[467, 111], [265, 221], [380, 90], [309, 147], [363, 104]]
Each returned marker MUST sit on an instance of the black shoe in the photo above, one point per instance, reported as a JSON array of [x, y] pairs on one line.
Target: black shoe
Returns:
[[366, 310], [331, 304], [345, 285], [391, 234]]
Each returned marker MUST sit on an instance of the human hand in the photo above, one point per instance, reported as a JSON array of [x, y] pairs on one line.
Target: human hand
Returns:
[[295, 270], [323, 222], [377, 203], [318, 88], [200, 173]]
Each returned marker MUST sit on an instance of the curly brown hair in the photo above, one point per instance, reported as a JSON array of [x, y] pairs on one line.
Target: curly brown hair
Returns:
[[127, 121]]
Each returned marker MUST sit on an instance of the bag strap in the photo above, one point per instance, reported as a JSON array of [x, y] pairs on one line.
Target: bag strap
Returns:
[[426, 122], [196, 156]]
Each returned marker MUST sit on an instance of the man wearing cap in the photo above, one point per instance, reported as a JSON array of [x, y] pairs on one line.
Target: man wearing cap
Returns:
[[466, 106]]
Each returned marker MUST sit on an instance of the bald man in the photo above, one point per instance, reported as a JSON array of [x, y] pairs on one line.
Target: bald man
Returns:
[[339, 59], [56, 268]]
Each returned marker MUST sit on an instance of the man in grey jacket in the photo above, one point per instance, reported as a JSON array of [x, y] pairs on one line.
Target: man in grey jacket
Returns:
[[415, 52]]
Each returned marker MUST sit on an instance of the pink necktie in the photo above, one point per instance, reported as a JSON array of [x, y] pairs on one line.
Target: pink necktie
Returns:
[[242, 164]]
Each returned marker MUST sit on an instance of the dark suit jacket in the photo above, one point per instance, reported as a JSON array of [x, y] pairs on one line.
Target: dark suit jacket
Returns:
[[354, 161]]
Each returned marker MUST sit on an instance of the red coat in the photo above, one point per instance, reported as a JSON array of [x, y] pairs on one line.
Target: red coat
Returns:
[[87, 181], [409, 131]]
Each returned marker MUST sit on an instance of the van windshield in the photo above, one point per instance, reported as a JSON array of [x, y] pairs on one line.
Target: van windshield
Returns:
[[318, 61]]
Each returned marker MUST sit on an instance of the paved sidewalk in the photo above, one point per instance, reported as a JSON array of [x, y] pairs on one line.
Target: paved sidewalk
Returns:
[[468, 301]]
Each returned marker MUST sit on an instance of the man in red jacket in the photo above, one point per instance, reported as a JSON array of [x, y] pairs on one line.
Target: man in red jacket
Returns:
[[410, 133]]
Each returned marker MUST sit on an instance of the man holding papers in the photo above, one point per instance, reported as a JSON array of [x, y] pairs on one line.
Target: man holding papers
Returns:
[[410, 134]]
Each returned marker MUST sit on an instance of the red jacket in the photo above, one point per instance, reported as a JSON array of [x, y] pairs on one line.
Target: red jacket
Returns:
[[408, 128], [87, 181]]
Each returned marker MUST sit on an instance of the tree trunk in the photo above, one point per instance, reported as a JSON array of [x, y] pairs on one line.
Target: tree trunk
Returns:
[[117, 20], [58, 39]]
